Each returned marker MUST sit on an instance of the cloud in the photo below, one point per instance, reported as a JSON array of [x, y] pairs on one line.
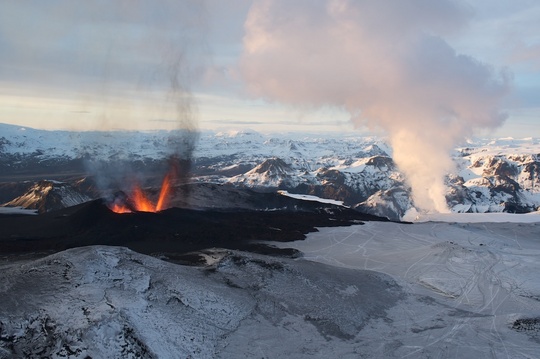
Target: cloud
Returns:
[[101, 51], [388, 65], [529, 54]]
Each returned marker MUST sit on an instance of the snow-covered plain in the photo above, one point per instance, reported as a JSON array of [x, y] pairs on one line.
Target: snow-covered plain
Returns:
[[479, 281], [378, 290], [497, 217]]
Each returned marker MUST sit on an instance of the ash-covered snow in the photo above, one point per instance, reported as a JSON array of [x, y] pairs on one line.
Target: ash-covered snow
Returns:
[[111, 302], [379, 290], [478, 284]]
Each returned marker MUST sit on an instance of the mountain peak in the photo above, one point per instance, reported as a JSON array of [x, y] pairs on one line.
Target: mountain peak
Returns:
[[48, 195]]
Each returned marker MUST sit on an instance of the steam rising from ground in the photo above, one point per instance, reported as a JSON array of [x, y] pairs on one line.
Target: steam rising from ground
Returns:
[[387, 64]]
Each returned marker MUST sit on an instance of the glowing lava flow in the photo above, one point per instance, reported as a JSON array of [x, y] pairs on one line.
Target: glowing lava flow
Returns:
[[138, 201]]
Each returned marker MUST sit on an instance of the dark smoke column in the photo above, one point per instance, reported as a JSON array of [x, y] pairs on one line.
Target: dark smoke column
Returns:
[[149, 54]]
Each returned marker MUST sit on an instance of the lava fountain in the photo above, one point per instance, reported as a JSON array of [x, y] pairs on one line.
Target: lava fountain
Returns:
[[138, 200]]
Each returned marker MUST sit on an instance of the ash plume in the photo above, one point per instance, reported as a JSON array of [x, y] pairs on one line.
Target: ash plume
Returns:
[[142, 57], [386, 63]]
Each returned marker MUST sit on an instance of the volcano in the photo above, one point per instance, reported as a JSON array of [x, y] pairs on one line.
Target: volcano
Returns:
[[138, 201]]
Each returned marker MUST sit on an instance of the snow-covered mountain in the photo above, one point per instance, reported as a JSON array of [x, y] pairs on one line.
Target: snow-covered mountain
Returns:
[[497, 176], [490, 175], [49, 195]]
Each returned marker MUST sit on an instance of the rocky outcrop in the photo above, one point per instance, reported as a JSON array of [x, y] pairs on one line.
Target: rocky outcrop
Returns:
[[49, 195]]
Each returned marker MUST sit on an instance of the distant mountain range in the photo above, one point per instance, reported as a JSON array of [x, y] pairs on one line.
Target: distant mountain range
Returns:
[[500, 175]]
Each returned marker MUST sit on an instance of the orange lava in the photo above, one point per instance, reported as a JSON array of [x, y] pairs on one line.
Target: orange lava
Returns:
[[119, 208], [141, 203], [165, 193]]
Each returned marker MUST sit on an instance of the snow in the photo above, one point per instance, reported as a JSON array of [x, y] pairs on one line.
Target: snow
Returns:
[[491, 175], [493, 217], [156, 144], [484, 273], [111, 302], [450, 285], [356, 167], [116, 303], [17, 210], [55, 182], [378, 290], [311, 198]]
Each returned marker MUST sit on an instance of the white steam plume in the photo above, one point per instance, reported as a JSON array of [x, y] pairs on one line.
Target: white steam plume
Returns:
[[387, 64]]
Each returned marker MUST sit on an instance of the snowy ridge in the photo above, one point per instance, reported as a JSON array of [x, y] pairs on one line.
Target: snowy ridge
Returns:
[[490, 175], [22, 141]]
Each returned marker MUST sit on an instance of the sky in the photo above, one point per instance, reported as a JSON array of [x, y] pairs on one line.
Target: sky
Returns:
[[469, 66]]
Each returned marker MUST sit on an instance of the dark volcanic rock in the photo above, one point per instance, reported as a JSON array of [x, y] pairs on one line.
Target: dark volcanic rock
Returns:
[[175, 230]]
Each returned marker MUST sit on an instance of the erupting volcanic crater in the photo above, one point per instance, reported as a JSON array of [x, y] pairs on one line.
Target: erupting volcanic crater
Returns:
[[138, 200], [173, 232]]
